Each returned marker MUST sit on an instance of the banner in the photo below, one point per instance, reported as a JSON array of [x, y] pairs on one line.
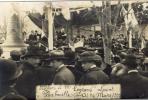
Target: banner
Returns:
[[76, 45], [78, 92], [66, 13], [129, 17]]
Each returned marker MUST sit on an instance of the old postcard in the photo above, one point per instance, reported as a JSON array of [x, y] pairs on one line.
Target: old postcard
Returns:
[[65, 49]]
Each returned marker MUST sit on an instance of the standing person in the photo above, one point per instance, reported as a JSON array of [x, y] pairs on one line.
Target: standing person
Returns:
[[15, 55], [91, 65], [9, 73], [133, 85], [32, 36], [27, 82], [63, 74], [38, 35]]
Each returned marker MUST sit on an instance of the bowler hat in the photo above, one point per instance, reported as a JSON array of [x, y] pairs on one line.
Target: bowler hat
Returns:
[[80, 49], [9, 70], [57, 55], [35, 53], [130, 61], [89, 56]]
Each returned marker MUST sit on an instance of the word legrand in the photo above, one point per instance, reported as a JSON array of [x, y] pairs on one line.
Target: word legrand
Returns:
[[78, 91]]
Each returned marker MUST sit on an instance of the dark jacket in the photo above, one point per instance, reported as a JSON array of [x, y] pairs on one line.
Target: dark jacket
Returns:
[[26, 83], [8, 93], [64, 77], [134, 86], [144, 73], [94, 76], [45, 76]]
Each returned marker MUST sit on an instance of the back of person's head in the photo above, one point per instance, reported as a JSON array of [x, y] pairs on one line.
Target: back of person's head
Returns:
[[15, 55], [91, 56], [130, 61]]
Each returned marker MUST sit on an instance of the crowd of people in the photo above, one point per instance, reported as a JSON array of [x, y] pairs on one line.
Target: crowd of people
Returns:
[[27, 68]]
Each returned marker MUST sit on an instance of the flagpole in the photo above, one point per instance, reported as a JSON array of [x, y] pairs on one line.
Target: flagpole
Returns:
[[50, 27]]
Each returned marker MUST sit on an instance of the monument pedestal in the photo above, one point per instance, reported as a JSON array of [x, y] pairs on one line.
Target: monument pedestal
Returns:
[[13, 38]]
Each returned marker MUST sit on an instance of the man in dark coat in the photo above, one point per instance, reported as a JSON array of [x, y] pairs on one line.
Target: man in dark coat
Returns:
[[93, 74], [133, 85], [63, 75], [26, 84], [9, 73], [45, 75]]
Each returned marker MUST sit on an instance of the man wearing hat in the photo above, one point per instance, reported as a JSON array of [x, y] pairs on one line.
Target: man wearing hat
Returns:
[[15, 55], [133, 85], [90, 64], [27, 82], [63, 74], [9, 73]]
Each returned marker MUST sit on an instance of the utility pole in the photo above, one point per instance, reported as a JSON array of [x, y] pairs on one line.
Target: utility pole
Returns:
[[50, 26], [106, 29]]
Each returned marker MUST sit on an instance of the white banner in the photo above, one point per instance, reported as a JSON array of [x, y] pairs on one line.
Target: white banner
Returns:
[[108, 91]]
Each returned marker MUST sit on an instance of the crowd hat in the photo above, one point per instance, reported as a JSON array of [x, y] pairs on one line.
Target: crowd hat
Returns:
[[35, 53], [9, 70], [130, 61], [57, 55], [89, 56], [15, 53], [32, 54], [80, 49]]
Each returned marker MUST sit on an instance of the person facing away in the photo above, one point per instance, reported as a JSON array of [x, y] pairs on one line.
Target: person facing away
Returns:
[[133, 84], [63, 75], [93, 74]]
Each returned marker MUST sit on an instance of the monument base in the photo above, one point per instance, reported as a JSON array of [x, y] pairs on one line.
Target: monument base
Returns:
[[8, 49]]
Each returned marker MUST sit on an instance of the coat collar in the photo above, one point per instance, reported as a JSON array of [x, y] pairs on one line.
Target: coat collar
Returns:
[[132, 71]]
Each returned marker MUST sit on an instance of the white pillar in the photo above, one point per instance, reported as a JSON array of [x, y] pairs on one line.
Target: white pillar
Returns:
[[130, 39], [50, 27]]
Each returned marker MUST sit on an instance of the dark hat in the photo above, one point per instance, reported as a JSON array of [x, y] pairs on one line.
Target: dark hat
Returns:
[[15, 53], [130, 61], [9, 70], [80, 49], [89, 56], [35, 53], [57, 55], [31, 54]]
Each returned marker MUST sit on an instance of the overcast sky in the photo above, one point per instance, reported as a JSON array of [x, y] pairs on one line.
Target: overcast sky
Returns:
[[6, 7]]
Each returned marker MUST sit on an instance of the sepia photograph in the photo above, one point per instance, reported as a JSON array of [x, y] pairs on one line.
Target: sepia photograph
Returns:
[[73, 50]]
